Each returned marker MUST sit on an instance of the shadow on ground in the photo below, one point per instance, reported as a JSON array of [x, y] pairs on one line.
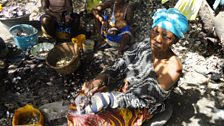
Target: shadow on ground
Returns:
[[185, 107]]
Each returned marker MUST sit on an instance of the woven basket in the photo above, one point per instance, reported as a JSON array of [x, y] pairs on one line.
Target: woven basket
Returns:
[[61, 51]]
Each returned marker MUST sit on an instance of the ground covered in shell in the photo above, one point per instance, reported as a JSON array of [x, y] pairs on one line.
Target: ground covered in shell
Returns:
[[198, 99]]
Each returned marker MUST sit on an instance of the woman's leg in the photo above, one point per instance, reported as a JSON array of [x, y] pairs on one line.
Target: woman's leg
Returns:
[[49, 25], [110, 117], [99, 31], [124, 43], [75, 24]]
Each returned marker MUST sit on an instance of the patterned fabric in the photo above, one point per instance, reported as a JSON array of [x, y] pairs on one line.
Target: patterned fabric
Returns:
[[117, 38], [110, 117], [189, 8], [172, 20], [164, 1]]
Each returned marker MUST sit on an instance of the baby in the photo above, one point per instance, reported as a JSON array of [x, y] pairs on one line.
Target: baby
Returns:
[[93, 104], [118, 25]]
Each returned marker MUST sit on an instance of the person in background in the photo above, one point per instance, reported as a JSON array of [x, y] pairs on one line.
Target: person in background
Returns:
[[3, 56], [114, 26], [59, 17], [149, 71], [3, 49]]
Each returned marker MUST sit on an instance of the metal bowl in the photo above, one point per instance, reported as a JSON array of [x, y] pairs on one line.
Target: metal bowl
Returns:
[[41, 50]]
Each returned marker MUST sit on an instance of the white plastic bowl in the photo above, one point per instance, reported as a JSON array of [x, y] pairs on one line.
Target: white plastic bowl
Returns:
[[41, 50]]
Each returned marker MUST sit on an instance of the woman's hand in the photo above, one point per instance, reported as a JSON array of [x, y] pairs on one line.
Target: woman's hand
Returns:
[[98, 84], [91, 87], [125, 87], [68, 19]]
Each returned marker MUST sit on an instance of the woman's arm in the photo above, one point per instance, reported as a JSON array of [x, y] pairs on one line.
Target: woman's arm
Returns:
[[104, 78], [96, 11], [129, 15], [118, 67], [45, 5]]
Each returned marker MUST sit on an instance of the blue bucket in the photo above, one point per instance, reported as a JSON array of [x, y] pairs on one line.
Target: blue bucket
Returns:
[[27, 40]]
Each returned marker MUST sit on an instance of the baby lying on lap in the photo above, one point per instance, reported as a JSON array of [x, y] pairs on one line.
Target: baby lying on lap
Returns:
[[85, 104]]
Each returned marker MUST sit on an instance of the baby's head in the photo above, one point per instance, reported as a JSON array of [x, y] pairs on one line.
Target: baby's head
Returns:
[[81, 101]]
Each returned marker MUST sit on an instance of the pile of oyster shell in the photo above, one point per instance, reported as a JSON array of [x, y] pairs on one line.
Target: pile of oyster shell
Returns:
[[15, 8], [64, 61]]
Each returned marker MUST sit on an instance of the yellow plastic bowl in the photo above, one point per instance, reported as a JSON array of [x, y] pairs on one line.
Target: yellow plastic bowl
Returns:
[[27, 116]]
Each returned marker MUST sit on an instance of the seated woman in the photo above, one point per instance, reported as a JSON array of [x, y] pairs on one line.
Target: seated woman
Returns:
[[59, 17], [3, 49], [149, 71], [115, 26]]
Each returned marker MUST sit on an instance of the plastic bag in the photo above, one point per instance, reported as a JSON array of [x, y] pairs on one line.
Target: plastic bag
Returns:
[[79, 40], [189, 8]]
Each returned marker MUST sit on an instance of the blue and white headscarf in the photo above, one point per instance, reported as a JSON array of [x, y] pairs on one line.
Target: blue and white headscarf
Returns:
[[172, 20]]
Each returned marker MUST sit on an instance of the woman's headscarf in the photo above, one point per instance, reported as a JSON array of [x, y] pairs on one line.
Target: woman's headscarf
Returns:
[[172, 20]]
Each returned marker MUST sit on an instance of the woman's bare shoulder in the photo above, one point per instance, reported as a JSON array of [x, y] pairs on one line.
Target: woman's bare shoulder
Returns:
[[172, 73], [175, 65]]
